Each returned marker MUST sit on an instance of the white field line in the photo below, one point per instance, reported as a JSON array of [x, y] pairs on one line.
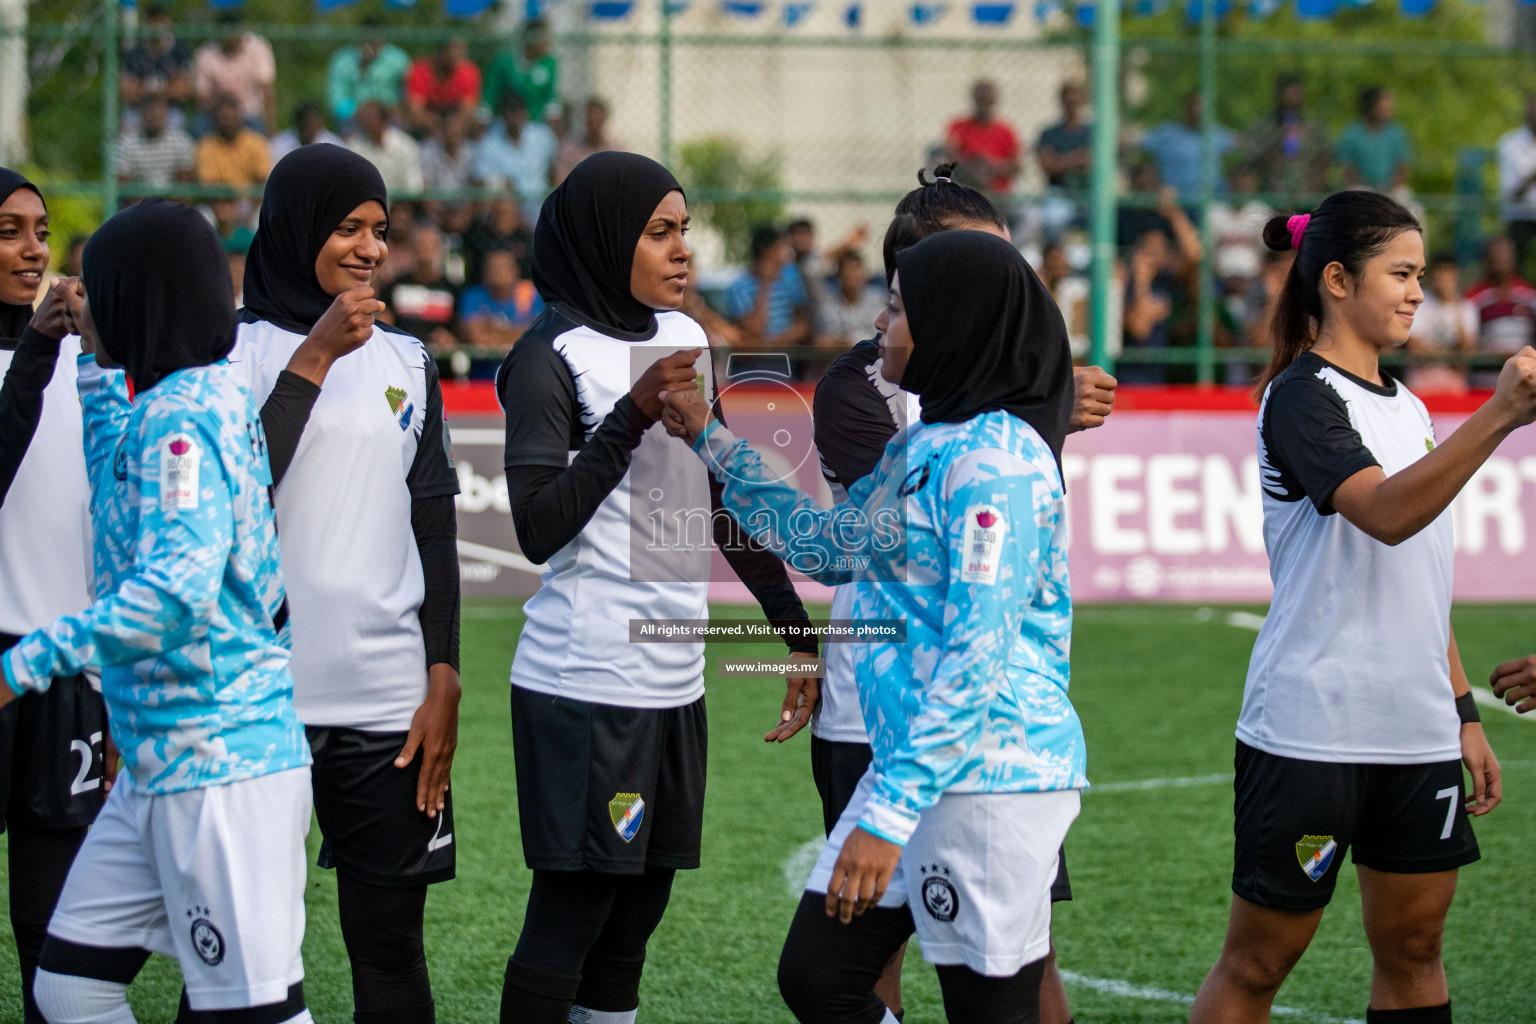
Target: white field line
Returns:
[[1141, 785], [1128, 990], [496, 556], [1248, 620], [797, 866]]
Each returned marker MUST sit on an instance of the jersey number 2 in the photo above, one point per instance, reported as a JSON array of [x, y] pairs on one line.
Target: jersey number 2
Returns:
[[87, 752]]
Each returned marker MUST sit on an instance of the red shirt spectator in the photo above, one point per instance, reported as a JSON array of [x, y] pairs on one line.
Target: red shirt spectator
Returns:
[[1506, 308], [986, 149], [443, 85]]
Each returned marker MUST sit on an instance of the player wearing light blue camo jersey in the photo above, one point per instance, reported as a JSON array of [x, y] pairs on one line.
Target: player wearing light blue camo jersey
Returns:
[[975, 700], [195, 679]]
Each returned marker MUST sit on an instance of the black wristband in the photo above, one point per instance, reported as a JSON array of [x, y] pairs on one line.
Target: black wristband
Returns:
[[1466, 709]]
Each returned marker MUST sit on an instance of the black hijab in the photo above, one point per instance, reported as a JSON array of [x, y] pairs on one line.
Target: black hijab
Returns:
[[584, 242], [14, 318], [157, 281], [986, 334], [309, 193]]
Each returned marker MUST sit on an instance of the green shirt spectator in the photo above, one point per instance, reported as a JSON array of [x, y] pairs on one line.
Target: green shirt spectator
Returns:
[[372, 70], [1374, 150], [534, 74]]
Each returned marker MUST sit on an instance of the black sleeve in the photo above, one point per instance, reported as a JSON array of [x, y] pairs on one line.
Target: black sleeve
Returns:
[[553, 496], [284, 416], [432, 474], [1311, 441], [761, 570], [21, 400], [436, 528], [852, 425]]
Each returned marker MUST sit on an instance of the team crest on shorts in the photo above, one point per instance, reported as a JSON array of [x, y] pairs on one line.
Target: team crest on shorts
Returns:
[[939, 896], [400, 406], [626, 811], [206, 939], [1315, 854]]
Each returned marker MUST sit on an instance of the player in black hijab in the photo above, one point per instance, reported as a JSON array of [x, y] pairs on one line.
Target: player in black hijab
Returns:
[[610, 736]]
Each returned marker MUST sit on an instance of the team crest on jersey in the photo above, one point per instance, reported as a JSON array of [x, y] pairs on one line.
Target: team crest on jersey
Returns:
[[206, 939], [1315, 854], [180, 458], [985, 528], [939, 896], [626, 810], [914, 481], [400, 405]]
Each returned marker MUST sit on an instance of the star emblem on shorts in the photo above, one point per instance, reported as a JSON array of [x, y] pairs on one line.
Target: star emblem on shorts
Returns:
[[924, 869]]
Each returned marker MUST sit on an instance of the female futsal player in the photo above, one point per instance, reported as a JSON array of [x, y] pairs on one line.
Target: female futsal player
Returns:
[[978, 755], [366, 520], [51, 743], [609, 734], [1357, 716], [199, 851]]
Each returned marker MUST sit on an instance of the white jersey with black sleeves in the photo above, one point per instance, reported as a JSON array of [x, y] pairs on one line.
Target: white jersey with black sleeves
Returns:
[[1351, 664]]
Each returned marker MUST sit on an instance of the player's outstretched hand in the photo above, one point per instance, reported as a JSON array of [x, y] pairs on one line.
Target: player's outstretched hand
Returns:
[[1093, 397], [800, 697], [1517, 386], [861, 874], [669, 373], [51, 319], [1515, 681], [1487, 777], [685, 413], [435, 732], [343, 329]]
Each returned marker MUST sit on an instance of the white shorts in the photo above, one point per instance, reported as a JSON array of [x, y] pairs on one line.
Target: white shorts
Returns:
[[213, 877], [978, 871]]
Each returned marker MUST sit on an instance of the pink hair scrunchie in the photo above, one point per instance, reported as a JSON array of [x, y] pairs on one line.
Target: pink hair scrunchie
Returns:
[[1297, 226]]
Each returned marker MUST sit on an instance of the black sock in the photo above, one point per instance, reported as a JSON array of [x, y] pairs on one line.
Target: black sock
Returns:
[[39, 863], [1414, 1015], [533, 996], [610, 983], [381, 926]]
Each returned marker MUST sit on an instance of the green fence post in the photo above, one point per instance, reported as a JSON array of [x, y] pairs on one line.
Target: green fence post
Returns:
[[109, 33], [1206, 336], [1106, 134], [666, 82]]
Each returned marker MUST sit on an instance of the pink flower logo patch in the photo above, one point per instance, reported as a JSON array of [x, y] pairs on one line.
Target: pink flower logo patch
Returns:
[[985, 519], [180, 446]]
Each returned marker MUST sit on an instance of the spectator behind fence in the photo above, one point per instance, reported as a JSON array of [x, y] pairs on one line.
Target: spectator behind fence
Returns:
[[424, 302], [1065, 149], [500, 227], [232, 154], [231, 224], [1159, 295], [1071, 292], [1506, 309], [446, 84], [308, 128], [533, 74], [370, 70], [157, 63], [986, 150], [1237, 221], [1140, 212], [388, 148], [494, 313], [156, 153], [593, 138], [768, 301], [1289, 150], [448, 159], [1175, 147], [240, 64], [235, 251], [848, 314], [1445, 325], [1373, 151], [514, 153], [1517, 181]]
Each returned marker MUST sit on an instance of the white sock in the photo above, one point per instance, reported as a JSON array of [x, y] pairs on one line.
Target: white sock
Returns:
[[889, 1018], [582, 1015], [71, 999], [302, 1017]]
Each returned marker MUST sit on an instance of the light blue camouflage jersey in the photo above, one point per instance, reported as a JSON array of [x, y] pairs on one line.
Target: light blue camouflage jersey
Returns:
[[960, 531], [187, 581]]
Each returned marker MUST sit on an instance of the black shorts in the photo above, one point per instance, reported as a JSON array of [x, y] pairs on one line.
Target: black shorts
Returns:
[[366, 808], [1295, 820], [837, 766], [607, 788], [51, 755]]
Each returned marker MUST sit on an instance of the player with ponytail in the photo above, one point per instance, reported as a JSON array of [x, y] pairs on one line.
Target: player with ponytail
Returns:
[[1357, 716]]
